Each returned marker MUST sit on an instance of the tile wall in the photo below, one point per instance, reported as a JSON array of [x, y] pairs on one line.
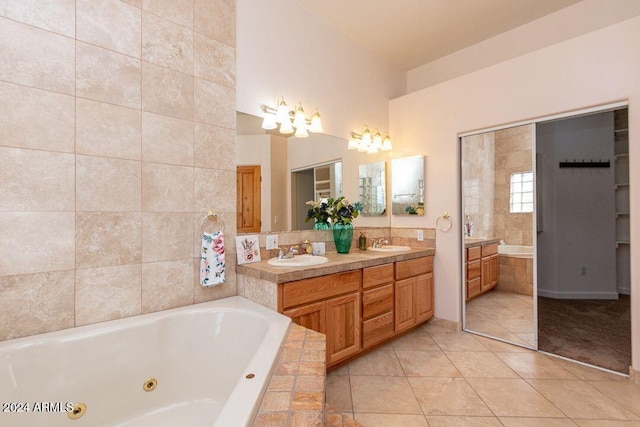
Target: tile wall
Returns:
[[116, 136]]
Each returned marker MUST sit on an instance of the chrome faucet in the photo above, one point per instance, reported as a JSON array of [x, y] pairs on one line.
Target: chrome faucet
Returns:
[[377, 243], [282, 254]]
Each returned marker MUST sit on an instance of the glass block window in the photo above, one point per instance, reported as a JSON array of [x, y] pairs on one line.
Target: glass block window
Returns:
[[521, 193]]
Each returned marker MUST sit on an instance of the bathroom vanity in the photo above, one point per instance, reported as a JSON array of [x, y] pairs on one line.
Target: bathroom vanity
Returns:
[[482, 266], [358, 299]]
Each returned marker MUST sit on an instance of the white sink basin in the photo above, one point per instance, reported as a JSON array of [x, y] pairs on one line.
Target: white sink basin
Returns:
[[298, 261], [390, 248]]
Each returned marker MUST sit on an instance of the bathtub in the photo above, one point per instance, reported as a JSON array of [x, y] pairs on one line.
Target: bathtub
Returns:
[[208, 365], [517, 251]]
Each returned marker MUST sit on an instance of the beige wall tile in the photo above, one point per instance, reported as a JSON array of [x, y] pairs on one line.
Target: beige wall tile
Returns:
[[107, 130], [167, 140], [111, 24], [167, 188], [215, 189], [214, 147], [33, 118], [216, 19], [212, 104], [166, 236], [108, 238], [34, 242], [103, 75], [107, 293], [104, 184], [35, 57], [178, 11], [167, 284], [214, 60], [35, 180], [36, 303], [167, 92], [53, 15], [167, 44]]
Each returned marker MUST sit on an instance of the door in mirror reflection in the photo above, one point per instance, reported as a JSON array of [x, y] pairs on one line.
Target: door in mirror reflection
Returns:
[[498, 210]]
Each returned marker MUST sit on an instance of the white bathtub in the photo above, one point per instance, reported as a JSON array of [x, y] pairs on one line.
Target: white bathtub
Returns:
[[200, 356], [516, 251]]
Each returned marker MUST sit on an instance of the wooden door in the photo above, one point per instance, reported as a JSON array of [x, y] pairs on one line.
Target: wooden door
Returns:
[[405, 309], [248, 182], [343, 327], [311, 316], [424, 297]]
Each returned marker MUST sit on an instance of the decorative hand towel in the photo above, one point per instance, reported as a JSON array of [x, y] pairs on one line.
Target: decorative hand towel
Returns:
[[212, 259]]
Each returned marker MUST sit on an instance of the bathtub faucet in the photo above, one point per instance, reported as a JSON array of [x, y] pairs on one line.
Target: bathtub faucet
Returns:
[[468, 225]]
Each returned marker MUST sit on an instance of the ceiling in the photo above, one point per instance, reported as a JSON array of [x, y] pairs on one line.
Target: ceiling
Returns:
[[410, 33]]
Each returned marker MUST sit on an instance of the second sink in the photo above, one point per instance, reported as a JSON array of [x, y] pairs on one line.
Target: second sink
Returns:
[[298, 261], [391, 248]]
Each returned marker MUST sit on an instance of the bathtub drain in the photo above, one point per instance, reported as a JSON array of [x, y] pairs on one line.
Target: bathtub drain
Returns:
[[77, 411], [150, 384]]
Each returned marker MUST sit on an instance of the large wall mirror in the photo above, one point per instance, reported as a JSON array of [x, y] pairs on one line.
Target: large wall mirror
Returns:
[[372, 188], [296, 170], [407, 186], [497, 176]]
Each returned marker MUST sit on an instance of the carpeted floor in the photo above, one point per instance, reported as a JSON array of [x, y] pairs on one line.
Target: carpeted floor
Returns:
[[597, 332]]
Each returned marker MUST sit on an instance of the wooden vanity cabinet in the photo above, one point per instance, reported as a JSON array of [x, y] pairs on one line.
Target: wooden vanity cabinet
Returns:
[[482, 269], [361, 308]]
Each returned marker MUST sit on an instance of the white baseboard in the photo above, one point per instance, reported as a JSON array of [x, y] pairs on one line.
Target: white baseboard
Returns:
[[577, 295]]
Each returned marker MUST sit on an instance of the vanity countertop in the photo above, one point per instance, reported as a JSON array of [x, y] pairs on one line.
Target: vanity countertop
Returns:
[[472, 243], [338, 263]]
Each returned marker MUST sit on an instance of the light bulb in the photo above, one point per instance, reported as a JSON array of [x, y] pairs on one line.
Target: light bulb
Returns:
[[386, 144], [316, 123], [366, 137], [299, 119], [363, 146], [269, 121], [286, 126], [353, 143], [282, 112], [377, 141], [301, 131]]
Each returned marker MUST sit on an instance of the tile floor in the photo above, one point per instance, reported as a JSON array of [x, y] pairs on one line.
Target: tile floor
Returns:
[[434, 377], [502, 314]]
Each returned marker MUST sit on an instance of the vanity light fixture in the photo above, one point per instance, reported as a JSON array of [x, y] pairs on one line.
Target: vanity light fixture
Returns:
[[291, 119], [364, 142]]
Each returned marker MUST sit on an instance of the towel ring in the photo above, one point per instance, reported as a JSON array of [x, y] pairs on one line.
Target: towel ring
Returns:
[[444, 222], [215, 218]]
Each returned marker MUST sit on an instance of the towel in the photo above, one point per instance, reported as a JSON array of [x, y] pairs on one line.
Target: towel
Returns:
[[212, 259]]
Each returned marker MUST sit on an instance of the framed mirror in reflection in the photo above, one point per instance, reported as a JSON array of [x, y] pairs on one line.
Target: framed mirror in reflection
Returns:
[[407, 186], [372, 182]]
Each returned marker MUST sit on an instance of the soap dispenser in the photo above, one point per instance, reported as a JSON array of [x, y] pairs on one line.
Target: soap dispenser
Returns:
[[362, 241]]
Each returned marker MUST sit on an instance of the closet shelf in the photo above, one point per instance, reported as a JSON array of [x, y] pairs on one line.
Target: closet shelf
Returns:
[[621, 185], [624, 156], [619, 214]]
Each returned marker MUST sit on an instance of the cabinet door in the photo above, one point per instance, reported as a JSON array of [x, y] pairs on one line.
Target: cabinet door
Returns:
[[405, 308], [489, 272], [343, 327], [424, 297], [311, 316]]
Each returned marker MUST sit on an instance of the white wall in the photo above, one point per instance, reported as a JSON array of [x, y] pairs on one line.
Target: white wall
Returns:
[[285, 50], [597, 68]]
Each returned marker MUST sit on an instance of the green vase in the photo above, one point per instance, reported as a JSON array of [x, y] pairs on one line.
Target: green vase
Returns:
[[322, 225], [342, 237]]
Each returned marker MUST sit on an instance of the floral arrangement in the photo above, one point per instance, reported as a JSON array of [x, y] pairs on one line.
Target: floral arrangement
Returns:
[[339, 210]]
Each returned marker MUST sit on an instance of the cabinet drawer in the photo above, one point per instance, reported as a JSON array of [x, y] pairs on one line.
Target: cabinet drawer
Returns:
[[413, 267], [473, 269], [377, 301], [378, 275], [319, 288], [488, 250], [474, 253], [377, 329], [473, 288]]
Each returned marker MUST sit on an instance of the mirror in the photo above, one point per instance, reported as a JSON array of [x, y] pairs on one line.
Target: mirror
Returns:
[[280, 156], [315, 183], [372, 183], [407, 186], [498, 205]]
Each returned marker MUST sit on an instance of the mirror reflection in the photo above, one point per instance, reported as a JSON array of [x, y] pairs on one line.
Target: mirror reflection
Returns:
[[315, 183], [372, 179], [407, 186], [498, 204]]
